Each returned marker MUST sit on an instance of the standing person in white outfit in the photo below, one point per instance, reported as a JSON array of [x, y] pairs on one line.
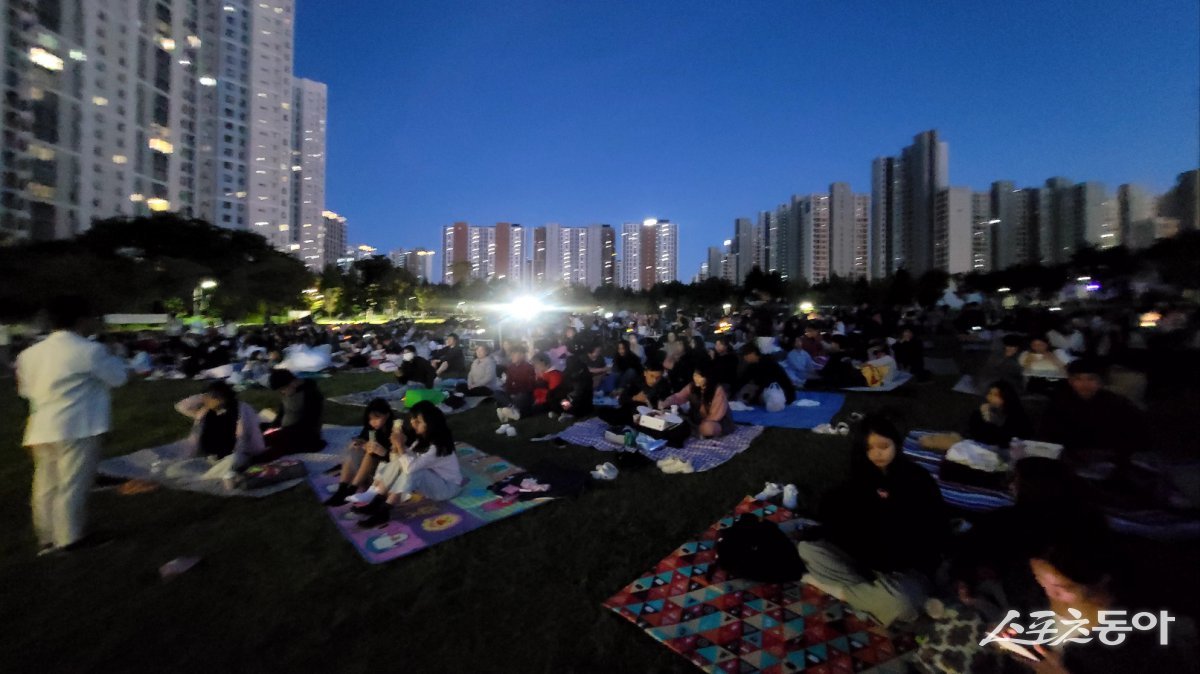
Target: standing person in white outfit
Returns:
[[428, 467], [66, 379]]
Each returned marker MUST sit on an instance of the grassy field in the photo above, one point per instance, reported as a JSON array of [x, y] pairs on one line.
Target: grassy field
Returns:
[[280, 589]]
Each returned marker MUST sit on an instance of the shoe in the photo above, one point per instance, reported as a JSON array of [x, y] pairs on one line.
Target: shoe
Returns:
[[376, 519], [843, 428], [339, 497], [378, 503], [502, 414], [790, 495], [824, 429], [609, 470], [514, 414], [362, 498], [511, 432], [503, 429], [770, 491]]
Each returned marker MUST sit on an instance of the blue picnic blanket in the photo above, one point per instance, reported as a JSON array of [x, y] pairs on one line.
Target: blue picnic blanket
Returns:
[[796, 417], [702, 454]]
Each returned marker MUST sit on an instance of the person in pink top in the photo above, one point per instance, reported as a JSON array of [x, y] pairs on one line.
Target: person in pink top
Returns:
[[708, 403]]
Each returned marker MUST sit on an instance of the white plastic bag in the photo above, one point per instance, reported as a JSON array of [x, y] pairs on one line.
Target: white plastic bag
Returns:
[[774, 399]]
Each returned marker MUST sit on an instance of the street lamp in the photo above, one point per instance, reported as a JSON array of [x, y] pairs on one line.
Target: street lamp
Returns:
[[208, 284], [201, 296]]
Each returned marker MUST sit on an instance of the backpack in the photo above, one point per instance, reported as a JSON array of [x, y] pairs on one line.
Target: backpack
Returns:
[[754, 549]]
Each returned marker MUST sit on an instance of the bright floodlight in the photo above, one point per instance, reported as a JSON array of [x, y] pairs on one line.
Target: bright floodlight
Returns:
[[208, 284], [528, 305], [806, 307]]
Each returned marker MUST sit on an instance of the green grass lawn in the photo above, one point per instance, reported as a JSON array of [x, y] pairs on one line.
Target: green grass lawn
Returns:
[[280, 589]]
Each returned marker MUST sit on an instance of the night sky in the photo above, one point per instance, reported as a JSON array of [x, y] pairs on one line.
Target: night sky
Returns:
[[581, 112]]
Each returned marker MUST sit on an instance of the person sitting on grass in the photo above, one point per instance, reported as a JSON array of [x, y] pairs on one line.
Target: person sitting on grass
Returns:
[[297, 425], [839, 370], [1083, 573], [449, 362], [1043, 368], [1000, 418], [1006, 365], [422, 464], [547, 383], [481, 378], [223, 425], [652, 389], [1094, 425], [519, 380], [758, 376], [626, 370], [414, 370], [726, 361], [910, 352], [367, 450], [708, 405], [885, 529], [597, 367], [798, 364], [573, 397]]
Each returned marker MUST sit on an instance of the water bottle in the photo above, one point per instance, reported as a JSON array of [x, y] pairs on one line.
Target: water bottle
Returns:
[[630, 437]]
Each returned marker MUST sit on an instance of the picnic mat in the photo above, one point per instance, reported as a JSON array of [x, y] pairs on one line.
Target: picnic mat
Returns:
[[899, 380], [1146, 522], [727, 624], [420, 525], [702, 454], [394, 394], [166, 465], [793, 416]]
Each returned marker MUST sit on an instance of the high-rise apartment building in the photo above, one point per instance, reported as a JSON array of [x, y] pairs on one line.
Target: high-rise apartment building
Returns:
[[308, 170], [99, 113], [333, 233], [926, 166], [887, 240], [487, 253], [983, 226], [116, 107], [953, 230], [745, 247], [1014, 240], [814, 230], [849, 232], [649, 253], [1056, 221], [416, 261], [1135, 206], [1097, 216]]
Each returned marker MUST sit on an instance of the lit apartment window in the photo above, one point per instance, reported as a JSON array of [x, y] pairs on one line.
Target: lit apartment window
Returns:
[[160, 145], [158, 204], [99, 100], [45, 59], [120, 159]]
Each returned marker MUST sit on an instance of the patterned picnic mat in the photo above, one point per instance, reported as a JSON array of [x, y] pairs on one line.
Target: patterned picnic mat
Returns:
[[726, 624], [420, 525], [702, 454]]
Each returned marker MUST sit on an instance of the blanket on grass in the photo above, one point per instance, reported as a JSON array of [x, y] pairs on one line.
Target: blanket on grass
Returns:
[[899, 380], [1146, 522], [701, 454], [394, 394], [793, 416], [726, 624], [417, 526], [168, 466]]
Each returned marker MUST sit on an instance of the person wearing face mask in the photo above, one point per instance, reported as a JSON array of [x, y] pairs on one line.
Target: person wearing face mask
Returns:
[[414, 370], [884, 529]]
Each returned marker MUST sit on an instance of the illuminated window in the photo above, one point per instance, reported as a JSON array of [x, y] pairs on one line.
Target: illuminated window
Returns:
[[160, 145], [193, 41], [45, 59], [120, 159], [99, 100], [208, 81], [136, 197]]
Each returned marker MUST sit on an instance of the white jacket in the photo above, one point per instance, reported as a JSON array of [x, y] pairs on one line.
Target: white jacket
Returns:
[[66, 380]]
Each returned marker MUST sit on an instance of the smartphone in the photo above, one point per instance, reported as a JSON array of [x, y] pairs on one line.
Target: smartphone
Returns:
[[1027, 653]]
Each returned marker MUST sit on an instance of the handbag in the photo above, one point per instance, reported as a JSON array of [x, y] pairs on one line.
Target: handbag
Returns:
[[757, 550]]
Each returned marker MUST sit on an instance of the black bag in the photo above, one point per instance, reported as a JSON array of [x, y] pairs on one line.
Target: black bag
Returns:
[[757, 550]]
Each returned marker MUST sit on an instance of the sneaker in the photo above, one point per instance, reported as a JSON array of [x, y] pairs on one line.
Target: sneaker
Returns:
[[503, 429], [843, 429], [602, 472], [511, 432], [790, 496], [609, 470], [362, 498], [770, 491]]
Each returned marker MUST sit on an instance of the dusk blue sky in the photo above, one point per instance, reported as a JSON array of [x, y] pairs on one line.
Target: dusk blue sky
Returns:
[[701, 112]]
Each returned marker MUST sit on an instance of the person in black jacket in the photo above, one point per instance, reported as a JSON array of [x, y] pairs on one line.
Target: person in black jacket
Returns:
[[653, 389], [725, 363], [759, 374], [449, 361], [414, 370], [1000, 419], [885, 529], [367, 450], [297, 425], [574, 395]]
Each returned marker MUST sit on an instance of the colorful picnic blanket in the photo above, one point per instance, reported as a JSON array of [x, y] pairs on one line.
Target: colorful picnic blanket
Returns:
[[793, 416], [700, 453], [1146, 522], [726, 624], [417, 526]]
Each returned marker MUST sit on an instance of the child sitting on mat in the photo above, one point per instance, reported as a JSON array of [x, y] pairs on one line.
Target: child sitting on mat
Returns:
[[371, 447], [427, 466]]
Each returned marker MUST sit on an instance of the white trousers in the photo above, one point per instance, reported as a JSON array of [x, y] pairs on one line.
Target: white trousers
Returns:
[[396, 480], [63, 473]]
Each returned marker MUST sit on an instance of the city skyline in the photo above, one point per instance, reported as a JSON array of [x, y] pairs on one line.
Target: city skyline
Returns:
[[539, 114]]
